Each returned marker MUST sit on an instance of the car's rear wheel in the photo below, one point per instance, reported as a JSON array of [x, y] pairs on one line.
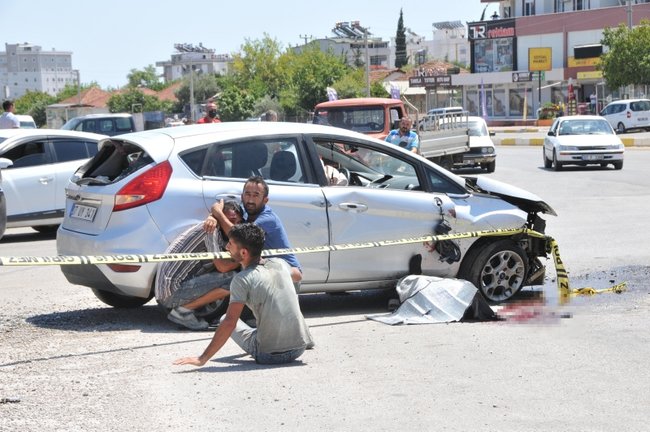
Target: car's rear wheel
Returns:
[[557, 166], [547, 162], [498, 269], [120, 301], [618, 165], [45, 229], [620, 128]]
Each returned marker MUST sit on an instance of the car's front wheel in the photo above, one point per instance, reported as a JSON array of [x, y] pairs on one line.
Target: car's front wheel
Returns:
[[618, 165], [490, 167], [498, 269], [120, 301], [547, 162], [557, 166]]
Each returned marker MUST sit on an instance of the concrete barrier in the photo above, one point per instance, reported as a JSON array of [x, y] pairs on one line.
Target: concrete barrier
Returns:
[[534, 136]]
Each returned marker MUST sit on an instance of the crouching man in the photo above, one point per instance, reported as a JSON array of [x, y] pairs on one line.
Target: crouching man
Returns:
[[265, 286]]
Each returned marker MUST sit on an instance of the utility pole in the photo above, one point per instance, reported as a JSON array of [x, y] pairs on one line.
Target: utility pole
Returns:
[[629, 14], [365, 37], [305, 37], [192, 119]]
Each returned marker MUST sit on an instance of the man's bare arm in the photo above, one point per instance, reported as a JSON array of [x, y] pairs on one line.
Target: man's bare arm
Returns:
[[220, 337]]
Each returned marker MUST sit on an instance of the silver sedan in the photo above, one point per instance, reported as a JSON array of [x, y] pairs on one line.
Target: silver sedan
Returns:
[[142, 189]]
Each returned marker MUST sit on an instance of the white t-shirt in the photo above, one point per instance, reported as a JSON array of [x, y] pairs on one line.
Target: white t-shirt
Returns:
[[9, 121]]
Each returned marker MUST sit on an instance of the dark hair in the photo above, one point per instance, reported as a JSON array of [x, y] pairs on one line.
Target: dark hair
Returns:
[[7, 104], [234, 206], [249, 236], [258, 180]]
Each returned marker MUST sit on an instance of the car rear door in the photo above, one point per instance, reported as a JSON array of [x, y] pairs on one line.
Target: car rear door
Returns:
[[30, 183], [299, 203]]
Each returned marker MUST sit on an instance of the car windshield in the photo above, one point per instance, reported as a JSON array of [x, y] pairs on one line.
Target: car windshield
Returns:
[[359, 119], [585, 127], [71, 124], [477, 128]]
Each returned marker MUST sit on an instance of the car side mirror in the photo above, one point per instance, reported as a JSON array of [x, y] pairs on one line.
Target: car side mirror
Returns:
[[550, 133], [4, 163]]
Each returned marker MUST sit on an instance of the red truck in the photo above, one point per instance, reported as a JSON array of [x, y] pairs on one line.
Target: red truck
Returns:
[[377, 116]]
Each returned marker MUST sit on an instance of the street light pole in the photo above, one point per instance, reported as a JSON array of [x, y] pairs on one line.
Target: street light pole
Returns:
[[365, 36], [192, 91]]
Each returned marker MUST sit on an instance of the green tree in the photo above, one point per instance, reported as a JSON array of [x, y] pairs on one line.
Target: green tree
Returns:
[[628, 59], [351, 85], [308, 76], [255, 68], [378, 90], [34, 104], [146, 77], [134, 100], [206, 86], [235, 104], [400, 43]]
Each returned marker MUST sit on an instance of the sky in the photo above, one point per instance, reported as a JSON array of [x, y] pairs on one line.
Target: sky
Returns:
[[110, 38]]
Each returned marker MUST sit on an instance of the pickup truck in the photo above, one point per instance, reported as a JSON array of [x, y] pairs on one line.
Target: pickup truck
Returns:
[[377, 116]]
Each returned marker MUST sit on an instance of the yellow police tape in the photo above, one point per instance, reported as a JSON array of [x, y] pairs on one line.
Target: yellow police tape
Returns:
[[562, 276]]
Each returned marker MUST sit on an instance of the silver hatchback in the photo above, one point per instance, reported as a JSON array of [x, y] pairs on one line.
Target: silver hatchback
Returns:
[[142, 189]]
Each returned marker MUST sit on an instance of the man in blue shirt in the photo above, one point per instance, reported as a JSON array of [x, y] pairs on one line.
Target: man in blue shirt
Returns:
[[254, 199], [404, 136]]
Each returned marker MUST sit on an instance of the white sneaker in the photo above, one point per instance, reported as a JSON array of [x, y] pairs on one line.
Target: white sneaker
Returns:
[[187, 319]]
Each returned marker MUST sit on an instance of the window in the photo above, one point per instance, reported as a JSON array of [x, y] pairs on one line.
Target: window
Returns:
[[528, 7], [105, 126], [275, 159], [369, 167], [68, 149], [28, 154]]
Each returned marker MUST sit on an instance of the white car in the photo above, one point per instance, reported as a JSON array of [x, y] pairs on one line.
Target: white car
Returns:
[[582, 140], [481, 152], [36, 166], [26, 121], [628, 114], [143, 189]]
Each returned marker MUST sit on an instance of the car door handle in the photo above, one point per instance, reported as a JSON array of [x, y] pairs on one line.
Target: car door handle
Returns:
[[45, 180], [355, 207]]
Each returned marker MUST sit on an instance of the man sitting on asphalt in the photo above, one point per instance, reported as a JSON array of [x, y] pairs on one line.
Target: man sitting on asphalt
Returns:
[[265, 286]]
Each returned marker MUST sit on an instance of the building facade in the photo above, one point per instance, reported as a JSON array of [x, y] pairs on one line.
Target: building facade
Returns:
[[197, 58], [25, 66], [536, 50]]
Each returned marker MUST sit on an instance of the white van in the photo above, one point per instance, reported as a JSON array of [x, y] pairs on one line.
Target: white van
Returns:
[[26, 121], [628, 114]]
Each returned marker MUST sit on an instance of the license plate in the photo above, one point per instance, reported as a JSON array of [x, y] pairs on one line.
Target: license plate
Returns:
[[593, 157], [83, 212]]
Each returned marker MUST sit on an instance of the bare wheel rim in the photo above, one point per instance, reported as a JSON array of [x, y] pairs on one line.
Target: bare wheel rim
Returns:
[[502, 275]]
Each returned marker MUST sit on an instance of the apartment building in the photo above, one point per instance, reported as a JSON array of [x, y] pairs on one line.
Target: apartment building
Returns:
[[25, 66], [198, 58]]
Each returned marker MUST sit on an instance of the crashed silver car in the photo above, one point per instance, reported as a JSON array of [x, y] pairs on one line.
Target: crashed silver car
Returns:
[[143, 189]]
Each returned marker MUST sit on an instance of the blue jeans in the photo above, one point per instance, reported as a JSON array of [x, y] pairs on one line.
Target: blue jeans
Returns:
[[191, 289], [246, 337]]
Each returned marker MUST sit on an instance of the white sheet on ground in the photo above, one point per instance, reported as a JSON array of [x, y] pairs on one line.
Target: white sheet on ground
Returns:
[[429, 299]]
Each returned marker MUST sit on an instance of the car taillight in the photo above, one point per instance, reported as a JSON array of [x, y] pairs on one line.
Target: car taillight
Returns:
[[124, 268], [145, 188]]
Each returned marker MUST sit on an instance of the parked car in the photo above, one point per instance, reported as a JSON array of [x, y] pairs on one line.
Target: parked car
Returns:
[[143, 189], [36, 166], [104, 124], [26, 121], [628, 114], [582, 140], [481, 153]]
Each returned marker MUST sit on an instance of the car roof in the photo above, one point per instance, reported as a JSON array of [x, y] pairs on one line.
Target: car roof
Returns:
[[24, 117], [624, 101], [359, 102], [103, 115], [18, 133], [581, 117]]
